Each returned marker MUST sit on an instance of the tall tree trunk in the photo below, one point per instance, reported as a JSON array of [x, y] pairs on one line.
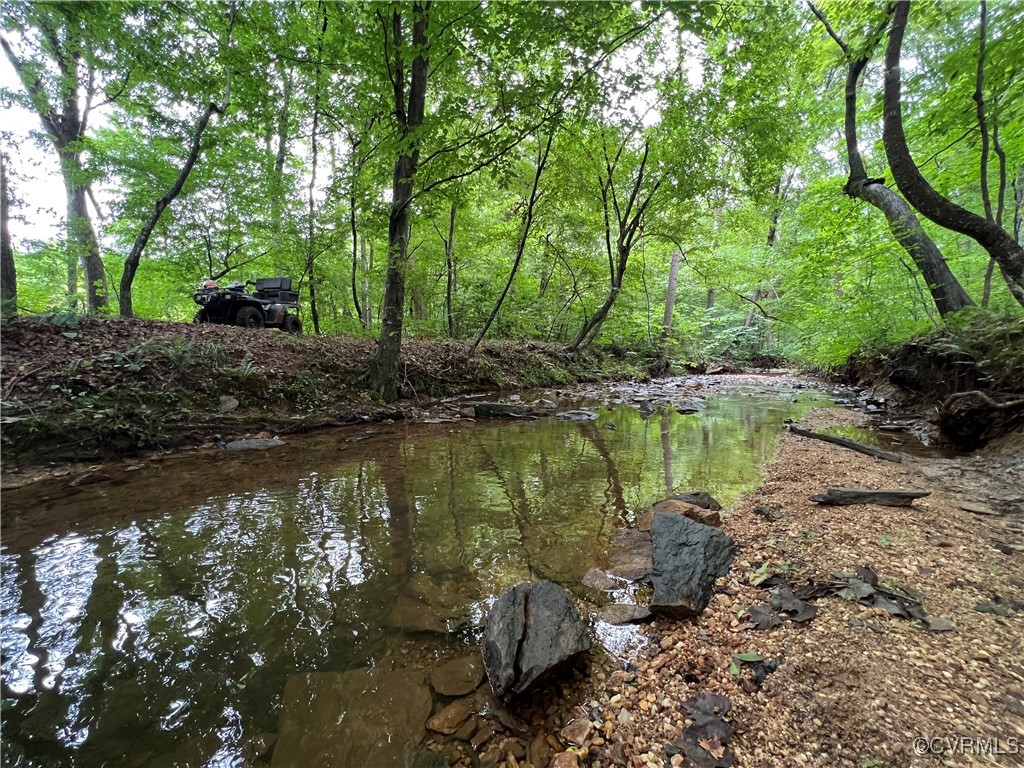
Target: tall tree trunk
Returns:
[[997, 147], [947, 293], [356, 239], [711, 299], [314, 148], [670, 301], [1008, 254], [382, 375], [366, 315], [66, 129], [283, 122], [450, 276], [542, 159], [83, 245], [8, 275]]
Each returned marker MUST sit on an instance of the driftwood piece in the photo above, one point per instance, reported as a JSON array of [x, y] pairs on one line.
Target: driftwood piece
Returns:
[[892, 497], [853, 445]]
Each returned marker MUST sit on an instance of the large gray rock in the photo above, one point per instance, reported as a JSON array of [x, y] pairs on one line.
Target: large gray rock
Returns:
[[688, 558], [533, 629], [351, 718]]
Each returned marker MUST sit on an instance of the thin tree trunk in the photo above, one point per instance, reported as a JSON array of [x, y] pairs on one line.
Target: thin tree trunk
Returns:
[[131, 264], [8, 274], [711, 299], [283, 122], [382, 375], [670, 301], [1008, 254], [355, 255], [314, 148], [997, 147], [364, 316], [449, 261], [542, 159]]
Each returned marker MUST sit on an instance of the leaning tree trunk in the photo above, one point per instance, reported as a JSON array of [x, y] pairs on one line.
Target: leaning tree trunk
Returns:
[[382, 375], [8, 275], [1008, 254], [947, 293]]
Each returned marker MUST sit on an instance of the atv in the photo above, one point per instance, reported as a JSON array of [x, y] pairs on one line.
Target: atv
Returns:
[[273, 304]]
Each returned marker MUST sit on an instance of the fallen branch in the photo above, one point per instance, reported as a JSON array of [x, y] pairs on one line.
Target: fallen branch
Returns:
[[949, 401], [853, 445], [894, 497]]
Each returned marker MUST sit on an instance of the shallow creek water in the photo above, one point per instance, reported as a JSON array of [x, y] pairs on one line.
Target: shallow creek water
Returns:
[[153, 619]]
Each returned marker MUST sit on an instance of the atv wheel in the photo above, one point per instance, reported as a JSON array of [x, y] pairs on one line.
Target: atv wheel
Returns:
[[201, 317], [249, 317], [292, 325]]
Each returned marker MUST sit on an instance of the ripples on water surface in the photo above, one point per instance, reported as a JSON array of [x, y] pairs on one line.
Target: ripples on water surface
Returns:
[[153, 620]]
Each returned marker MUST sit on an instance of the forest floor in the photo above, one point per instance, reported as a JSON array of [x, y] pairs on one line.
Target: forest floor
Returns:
[[855, 686], [89, 388]]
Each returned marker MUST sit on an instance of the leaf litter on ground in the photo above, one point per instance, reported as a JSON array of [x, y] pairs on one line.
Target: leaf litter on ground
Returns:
[[792, 602]]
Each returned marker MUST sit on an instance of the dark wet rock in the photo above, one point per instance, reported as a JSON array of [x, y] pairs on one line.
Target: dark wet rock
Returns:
[[457, 677], [253, 444], [631, 555], [688, 406], [576, 415], [623, 613], [348, 718], [502, 411], [547, 405], [532, 630], [466, 730], [892, 497], [89, 478], [411, 614], [701, 499], [687, 559], [595, 578]]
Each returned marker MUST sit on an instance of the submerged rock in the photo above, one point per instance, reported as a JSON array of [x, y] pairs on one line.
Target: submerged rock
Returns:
[[412, 615], [532, 630], [457, 677], [576, 415], [688, 558], [631, 555], [357, 717], [252, 444], [623, 613], [595, 578]]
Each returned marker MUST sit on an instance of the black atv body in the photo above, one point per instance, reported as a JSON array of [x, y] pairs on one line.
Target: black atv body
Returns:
[[273, 304]]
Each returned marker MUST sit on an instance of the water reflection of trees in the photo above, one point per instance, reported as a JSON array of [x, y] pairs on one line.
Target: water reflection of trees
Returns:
[[165, 630]]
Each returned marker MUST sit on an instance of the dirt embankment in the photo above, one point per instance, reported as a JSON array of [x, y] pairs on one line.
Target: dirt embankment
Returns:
[[101, 388], [967, 378], [855, 686]]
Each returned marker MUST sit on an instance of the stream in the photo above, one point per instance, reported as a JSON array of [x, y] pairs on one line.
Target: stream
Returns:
[[154, 619]]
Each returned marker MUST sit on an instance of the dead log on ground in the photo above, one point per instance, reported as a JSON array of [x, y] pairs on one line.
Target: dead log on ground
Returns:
[[893, 497], [853, 445]]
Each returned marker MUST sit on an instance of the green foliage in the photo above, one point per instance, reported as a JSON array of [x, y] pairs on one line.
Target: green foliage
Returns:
[[737, 107]]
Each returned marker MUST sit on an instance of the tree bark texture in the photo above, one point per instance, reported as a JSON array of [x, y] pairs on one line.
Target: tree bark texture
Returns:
[[1008, 254], [947, 293], [382, 375], [8, 274]]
